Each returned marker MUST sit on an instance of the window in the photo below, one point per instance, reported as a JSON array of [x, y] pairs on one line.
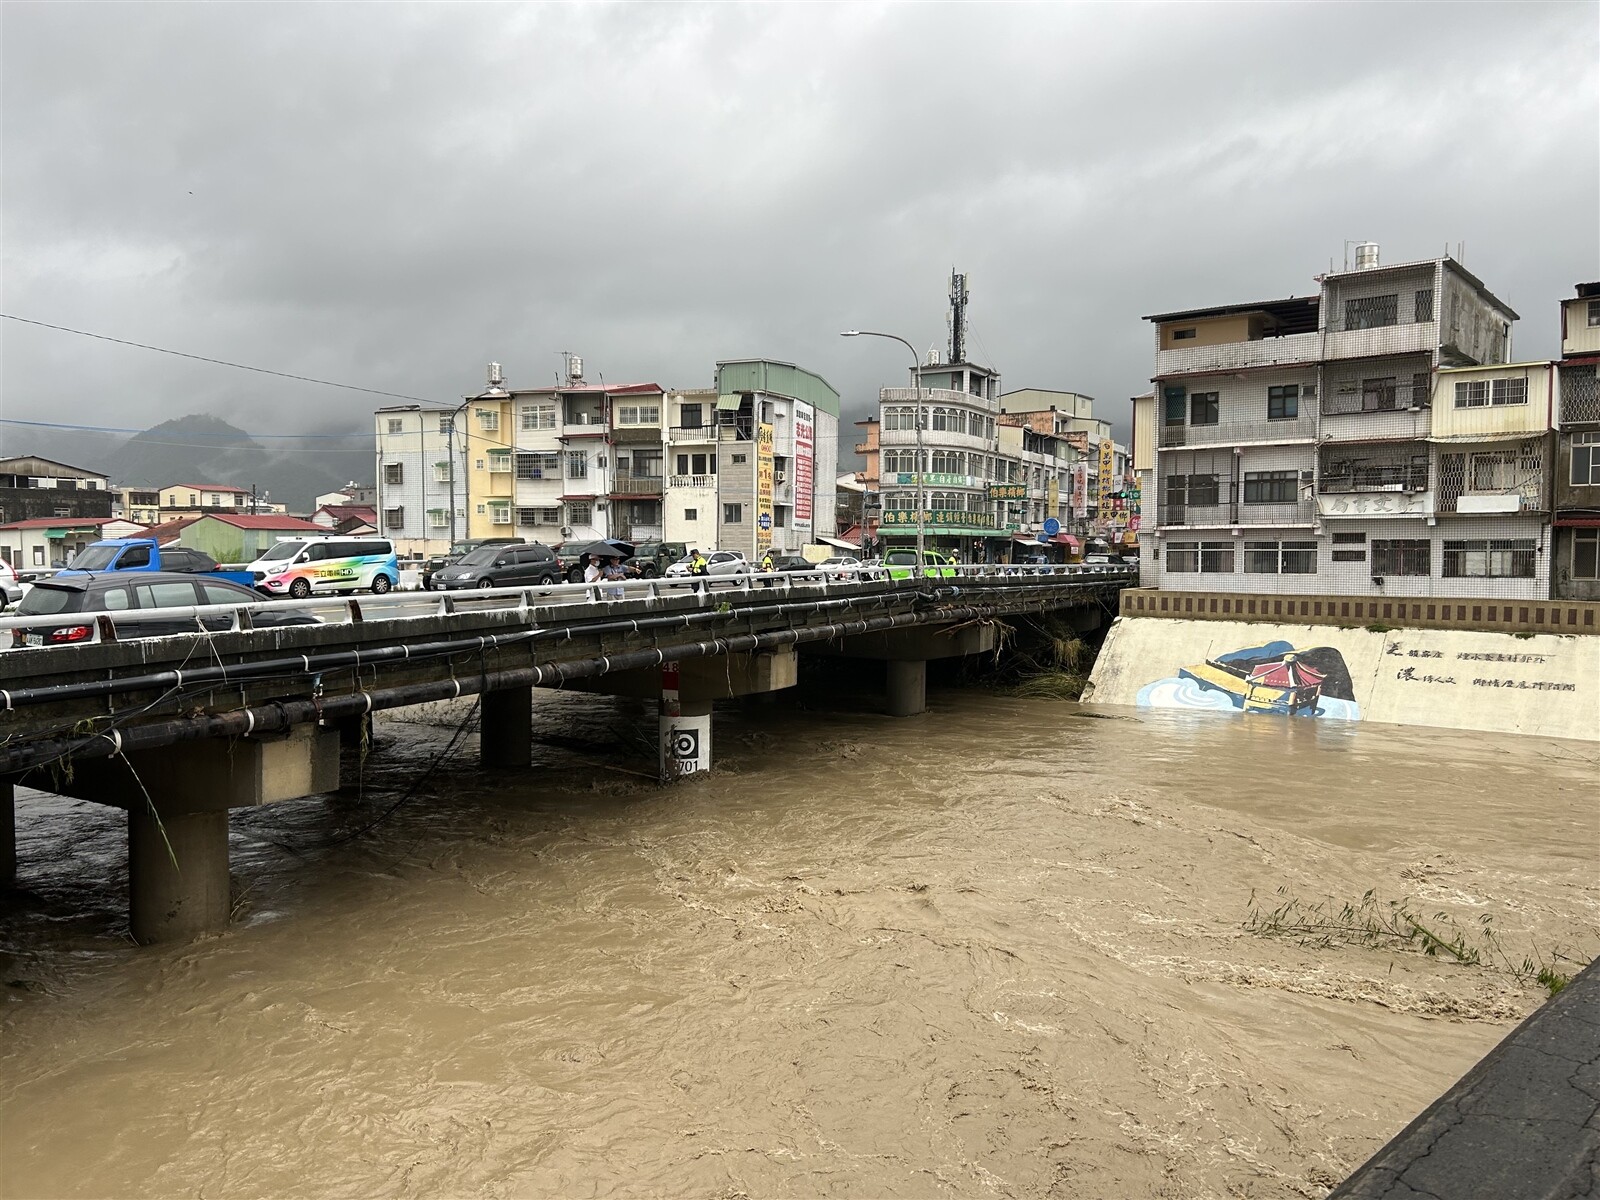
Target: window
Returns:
[[499, 514], [737, 459], [1372, 312], [166, 595], [1402, 556], [537, 416], [1281, 558], [1594, 313], [579, 512], [62, 511], [1585, 554], [437, 518], [394, 425], [118, 599], [1183, 556], [638, 414], [478, 464], [577, 464], [1203, 408], [441, 472], [733, 514], [691, 514], [489, 420], [1197, 490], [1271, 487], [1216, 558], [394, 518], [542, 465], [1509, 391], [393, 473], [1349, 547], [690, 416], [446, 424], [1489, 558], [1586, 459], [1493, 471], [1472, 394], [1283, 403], [38, 556], [1183, 335], [194, 500]]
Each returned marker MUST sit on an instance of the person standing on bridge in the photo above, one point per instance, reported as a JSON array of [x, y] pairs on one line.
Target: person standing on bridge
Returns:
[[592, 573], [699, 567], [768, 564], [614, 572]]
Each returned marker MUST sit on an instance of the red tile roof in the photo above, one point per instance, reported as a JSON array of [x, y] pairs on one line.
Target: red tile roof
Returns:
[[265, 521], [208, 487], [59, 522]]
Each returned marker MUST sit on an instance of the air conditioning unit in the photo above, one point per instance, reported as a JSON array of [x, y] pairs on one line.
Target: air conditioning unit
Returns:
[[780, 477], [1307, 476]]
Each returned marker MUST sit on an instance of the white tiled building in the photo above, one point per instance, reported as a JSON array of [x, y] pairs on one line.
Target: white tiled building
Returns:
[[1371, 439], [421, 467]]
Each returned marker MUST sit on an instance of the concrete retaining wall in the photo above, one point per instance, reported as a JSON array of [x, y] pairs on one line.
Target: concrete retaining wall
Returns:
[[1545, 684]]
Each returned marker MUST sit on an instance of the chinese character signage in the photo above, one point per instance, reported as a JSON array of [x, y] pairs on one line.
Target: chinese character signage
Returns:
[[907, 518], [804, 440], [1080, 490], [1107, 482], [1008, 491], [936, 479], [763, 488]]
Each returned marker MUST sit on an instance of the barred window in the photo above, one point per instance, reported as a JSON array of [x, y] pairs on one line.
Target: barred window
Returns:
[[538, 465], [1402, 556], [1379, 395], [538, 416], [1173, 401], [393, 474], [579, 512], [1216, 558], [1489, 558], [1280, 558], [1372, 312], [1509, 391], [1472, 394], [1183, 556], [394, 518], [1424, 305], [1198, 490], [577, 464]]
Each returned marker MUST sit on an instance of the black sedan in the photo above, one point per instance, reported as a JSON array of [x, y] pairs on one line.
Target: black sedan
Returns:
[[133, 599]]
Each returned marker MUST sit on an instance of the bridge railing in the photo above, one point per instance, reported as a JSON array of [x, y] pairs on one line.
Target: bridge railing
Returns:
[[56, 630]]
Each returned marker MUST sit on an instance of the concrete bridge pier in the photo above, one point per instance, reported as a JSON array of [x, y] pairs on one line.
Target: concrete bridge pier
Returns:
[[907, 687], [505, 728], [177, 874], [178, 798]]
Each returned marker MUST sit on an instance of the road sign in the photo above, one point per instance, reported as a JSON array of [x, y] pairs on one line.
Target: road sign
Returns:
[[1044, 537], [1052, 526], [764, 520]]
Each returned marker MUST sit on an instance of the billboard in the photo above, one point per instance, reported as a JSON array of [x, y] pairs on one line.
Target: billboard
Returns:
[[804, 460], [1080, 490], [764, 489], [1107, 482]]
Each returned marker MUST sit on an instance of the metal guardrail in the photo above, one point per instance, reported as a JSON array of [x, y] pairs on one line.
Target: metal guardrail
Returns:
[[123, 624]]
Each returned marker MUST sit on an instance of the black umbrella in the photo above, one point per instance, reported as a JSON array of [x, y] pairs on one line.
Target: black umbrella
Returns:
[[607, 550]]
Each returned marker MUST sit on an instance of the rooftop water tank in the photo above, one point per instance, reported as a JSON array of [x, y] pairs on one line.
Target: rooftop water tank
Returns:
[[1366, 255]]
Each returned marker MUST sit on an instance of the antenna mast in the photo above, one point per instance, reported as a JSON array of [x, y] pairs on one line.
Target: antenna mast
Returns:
[[958, 317]]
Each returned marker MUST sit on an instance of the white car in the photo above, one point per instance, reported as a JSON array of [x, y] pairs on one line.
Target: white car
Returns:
[[843, 566], [718, 562], [10, 589]]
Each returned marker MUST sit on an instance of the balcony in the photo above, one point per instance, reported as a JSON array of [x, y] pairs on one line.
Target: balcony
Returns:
[[637, 435], [583, 424], [1294, 350], [943, 397], [682, 482], [1416, 337], [699, 434], [625, 483], [1248, 516], [1240, 430], [1349, 478], [1343, 400]]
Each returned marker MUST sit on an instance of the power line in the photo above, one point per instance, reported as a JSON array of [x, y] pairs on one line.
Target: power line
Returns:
[[350, 387], [120, 429]]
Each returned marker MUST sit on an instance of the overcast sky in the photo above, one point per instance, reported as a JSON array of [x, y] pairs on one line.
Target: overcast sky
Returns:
[[394, 195]]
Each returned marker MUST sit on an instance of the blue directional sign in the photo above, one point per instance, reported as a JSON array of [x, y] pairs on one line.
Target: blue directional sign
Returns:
[[1052, 526], [1044, 537]]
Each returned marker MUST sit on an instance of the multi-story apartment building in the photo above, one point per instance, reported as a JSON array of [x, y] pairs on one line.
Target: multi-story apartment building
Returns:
[[775, 423], [142, 506], [421, 497], [488, 425], [1297, 439], [1575, 571], [690, 504]]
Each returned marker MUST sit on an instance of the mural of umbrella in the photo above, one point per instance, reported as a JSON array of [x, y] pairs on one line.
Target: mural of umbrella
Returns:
[[1287, 685]]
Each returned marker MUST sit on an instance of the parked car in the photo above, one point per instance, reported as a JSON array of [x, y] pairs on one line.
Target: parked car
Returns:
[[902, 564], [718, 563], [129, 597], [10, 585], [846, 566], [146, 554], [573, 557], [653, 558], [794, 562], [437, 563], [500, 565]]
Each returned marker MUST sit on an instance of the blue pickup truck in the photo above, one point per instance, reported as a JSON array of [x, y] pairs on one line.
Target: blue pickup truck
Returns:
[[143, 554]]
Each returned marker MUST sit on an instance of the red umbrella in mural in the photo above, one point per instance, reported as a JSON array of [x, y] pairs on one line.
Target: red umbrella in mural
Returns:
[[1286, 673], [1287, 685]]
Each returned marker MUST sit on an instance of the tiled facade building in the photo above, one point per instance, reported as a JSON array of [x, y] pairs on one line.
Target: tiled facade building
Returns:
[[1371, 439]]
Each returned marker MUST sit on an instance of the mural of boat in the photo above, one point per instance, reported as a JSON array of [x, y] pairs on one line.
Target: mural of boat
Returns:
[[1283, 685]]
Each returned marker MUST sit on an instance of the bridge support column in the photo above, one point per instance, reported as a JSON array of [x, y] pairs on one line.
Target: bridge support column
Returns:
[[8, 833], [177, 874], [505, 728], [908, 687], [685, 738]]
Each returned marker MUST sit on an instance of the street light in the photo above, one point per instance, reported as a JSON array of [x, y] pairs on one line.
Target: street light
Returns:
[[922, 473]]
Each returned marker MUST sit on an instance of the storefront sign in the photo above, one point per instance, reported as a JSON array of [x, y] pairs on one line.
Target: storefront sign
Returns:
[[1008, 491], [903, 517], [804, 455], [764, 478]]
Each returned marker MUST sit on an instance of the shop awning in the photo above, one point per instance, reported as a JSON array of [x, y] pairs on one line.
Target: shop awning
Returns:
[[1576, 522], [1067, 540], [839, 542]]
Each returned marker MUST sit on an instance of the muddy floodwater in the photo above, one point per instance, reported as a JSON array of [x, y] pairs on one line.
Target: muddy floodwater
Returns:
[[996, 950]]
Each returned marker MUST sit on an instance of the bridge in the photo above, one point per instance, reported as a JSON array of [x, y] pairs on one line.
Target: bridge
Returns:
[[180, 729]]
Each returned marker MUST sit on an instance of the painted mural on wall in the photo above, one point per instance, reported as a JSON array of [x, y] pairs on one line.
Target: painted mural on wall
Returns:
[[1273, 678]]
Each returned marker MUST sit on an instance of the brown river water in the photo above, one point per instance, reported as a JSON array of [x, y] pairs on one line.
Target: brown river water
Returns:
[[995, 950]]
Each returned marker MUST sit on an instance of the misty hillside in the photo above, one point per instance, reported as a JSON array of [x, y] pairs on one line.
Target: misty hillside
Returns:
[[205, 449]]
